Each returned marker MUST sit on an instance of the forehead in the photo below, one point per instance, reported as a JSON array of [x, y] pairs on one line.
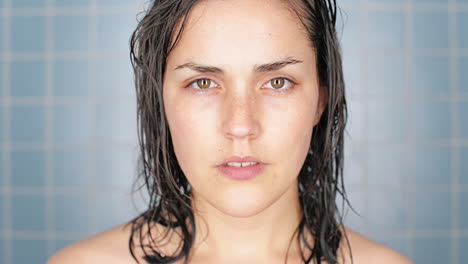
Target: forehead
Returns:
[[239, 32]]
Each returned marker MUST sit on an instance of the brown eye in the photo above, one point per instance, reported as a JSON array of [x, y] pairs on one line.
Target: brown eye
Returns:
[[203, 83], [280, 83], [277, 83]]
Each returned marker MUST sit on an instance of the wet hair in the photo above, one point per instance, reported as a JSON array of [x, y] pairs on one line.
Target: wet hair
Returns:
[[169, 202]]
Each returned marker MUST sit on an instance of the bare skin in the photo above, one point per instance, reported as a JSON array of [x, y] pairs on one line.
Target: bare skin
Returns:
[[111, 246], [241, 114]]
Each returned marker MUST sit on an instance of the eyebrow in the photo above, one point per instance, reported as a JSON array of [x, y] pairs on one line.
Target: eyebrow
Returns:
[[267, 67]]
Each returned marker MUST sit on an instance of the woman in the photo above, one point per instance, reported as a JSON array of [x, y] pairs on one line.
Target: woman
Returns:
[[241, 112]]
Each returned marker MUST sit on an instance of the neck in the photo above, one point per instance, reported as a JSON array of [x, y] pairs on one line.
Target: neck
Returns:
[[263, 236]]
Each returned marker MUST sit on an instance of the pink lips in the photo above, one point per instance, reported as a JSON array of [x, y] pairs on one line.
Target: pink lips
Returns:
[[241, 173]]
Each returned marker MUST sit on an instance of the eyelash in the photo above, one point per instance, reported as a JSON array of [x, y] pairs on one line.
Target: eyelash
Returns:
[[293, 83]]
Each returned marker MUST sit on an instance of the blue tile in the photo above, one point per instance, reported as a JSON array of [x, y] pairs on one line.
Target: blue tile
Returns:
[[354, 169], [71, 78], [431, 75], [71, 168], [72, 123], [387, 211], [1, 29], [2, 241], [431, 250], [28, 3], [29, 251], [29, 34], [114, 31], [2, 225], [28, 213], [432, 120], [71, 3], [115, 77], [60, 243], [386, 30], [2, 175], [398, 244], [430, 30], [462, 19], [351, 37], [28, 78], [114, 167], [2, 127], [463, 110], [355, 126], [464, 165], [463, 244], [463, 210], [432, 165], [2, 89], [388, 120], [358, 220], [386, 75], [27, 124], [349, 3], [112, 209], [116, 123], [432, 210], [430, 1], [71, 33], [116, 2], [71, 213], [353, 74], [463, 69], [390, 164], [32, 175], [384, 1]]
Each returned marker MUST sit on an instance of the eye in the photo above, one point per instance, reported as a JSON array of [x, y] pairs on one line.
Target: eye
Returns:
[[279, 83], [202, 83]]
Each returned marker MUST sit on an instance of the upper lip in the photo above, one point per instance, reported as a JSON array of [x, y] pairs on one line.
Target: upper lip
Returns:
[[239, 159]]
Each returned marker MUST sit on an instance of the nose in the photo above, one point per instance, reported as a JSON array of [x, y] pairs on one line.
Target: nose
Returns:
[[241, 113]]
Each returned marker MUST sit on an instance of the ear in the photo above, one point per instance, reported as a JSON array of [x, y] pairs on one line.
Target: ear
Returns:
[[322, 103]]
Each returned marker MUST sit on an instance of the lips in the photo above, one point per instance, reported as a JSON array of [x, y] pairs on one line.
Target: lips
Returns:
[[239, 160], [241, 173]]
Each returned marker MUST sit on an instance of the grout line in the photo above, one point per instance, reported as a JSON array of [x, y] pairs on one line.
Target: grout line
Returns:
[[38, 235], [34, 55], [409, 56], [454, 119], [115, 188], [73, 11], [416, 6], [7, 203], [49, 105], [124, 9], [119, 99], [364, 22], [92, 168]]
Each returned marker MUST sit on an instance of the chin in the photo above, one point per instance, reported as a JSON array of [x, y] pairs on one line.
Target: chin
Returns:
[[243, 202]]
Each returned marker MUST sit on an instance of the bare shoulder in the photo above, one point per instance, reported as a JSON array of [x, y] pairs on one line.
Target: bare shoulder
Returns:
[[110, 246], [366, 251]]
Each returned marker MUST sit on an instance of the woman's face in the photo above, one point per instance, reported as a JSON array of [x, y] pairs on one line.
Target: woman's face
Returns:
[[240, 109]]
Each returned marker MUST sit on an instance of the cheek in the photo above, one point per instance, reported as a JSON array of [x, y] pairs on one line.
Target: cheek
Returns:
[[290, 127], [190, 125]]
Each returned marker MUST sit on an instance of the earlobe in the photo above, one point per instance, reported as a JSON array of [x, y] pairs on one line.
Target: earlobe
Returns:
[[322, 103]]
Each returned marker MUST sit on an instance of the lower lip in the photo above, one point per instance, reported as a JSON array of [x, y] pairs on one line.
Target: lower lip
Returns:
[[242, 173]]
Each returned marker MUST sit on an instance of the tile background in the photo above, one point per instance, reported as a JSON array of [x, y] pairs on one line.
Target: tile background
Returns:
[[66, 81]]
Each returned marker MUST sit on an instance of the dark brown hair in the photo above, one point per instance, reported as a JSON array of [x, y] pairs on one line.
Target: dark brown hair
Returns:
[[320, 178]]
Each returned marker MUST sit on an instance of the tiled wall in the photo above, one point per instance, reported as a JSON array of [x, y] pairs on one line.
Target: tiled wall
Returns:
[[406, 69], [68, 129], [67, 118]]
